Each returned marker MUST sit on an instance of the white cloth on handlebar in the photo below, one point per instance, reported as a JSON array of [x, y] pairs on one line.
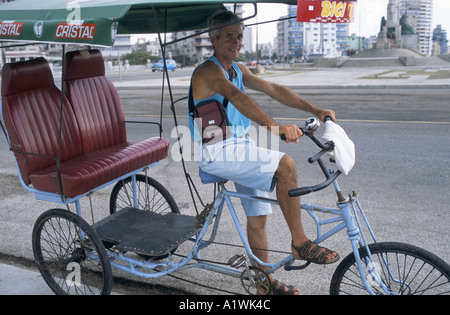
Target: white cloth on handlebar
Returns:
[[344, 148]]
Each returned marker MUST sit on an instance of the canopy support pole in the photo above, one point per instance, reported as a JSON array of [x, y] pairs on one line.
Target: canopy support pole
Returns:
[[172, 107]]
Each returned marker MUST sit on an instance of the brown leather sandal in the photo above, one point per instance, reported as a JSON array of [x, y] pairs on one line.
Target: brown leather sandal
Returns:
[[314, 253], [278, 288]]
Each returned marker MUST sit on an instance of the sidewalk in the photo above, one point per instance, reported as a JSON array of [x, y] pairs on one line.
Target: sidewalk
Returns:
[[320, 78], [23, 278], [21, 281]]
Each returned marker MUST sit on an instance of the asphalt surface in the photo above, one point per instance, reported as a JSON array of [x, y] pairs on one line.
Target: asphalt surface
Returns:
[[399, 125]]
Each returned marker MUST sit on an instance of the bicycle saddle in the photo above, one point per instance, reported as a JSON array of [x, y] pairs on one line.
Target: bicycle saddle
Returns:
[[207, 178]]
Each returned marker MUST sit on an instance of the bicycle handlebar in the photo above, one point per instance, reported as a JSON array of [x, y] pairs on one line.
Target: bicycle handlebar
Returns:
[[325, 147], [307, 190]]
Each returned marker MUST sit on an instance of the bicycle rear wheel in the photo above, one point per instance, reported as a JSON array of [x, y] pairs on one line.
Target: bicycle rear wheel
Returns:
[[151, 196], [401, 269]]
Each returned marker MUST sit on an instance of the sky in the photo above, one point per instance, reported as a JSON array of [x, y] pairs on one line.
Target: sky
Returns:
[[367, 22]]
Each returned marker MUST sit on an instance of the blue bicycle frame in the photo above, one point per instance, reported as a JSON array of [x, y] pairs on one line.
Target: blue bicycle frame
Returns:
[[345, 216]]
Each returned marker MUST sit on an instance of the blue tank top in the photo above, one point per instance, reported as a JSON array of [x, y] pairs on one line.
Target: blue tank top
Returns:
[[239, 123]]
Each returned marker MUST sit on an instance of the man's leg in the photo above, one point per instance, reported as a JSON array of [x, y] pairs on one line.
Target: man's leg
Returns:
[[286, 175], [256, 231]]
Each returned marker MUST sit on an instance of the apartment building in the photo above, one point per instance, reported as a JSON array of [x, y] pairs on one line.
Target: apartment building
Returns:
[[298, 41], [440, 41], [198, 48], [419, 15]]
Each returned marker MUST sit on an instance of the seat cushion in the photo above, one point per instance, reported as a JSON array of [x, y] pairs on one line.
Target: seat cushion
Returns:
[[86, 172], [95, 100]]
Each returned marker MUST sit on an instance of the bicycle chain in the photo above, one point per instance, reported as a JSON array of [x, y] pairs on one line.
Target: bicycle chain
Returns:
[[200, 218]]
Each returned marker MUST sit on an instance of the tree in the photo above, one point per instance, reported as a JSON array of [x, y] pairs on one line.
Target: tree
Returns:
[[139, 57], [241, 57]]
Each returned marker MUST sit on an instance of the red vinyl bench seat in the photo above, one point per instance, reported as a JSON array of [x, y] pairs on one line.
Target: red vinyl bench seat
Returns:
[[94, 145], [89, 171]]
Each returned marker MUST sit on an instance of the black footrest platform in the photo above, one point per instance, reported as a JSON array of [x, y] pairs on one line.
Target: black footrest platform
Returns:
[[146, 232]]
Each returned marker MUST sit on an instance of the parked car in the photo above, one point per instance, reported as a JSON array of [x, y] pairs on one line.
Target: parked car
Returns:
[[159, 66]]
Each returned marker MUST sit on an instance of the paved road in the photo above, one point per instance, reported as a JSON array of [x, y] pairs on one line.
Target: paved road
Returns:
[[402, 176]]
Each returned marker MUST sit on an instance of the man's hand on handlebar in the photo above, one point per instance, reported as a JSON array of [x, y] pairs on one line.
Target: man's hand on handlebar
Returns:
[[326, 113], [290, 133]]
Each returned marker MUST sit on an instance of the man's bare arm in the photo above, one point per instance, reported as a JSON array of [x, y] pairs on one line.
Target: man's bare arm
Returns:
[[283, 95], [212, 80]]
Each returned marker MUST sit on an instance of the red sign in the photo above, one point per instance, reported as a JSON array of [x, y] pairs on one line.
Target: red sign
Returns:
[[10, 28], [321, 11], [75, 31]]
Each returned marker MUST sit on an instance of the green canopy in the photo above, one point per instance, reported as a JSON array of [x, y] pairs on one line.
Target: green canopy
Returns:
[[98, 21]]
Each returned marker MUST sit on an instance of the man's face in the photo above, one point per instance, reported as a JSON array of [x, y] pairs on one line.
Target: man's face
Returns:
[[229, 43]]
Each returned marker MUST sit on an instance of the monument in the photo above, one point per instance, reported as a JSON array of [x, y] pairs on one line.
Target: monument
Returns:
[[395, 32]]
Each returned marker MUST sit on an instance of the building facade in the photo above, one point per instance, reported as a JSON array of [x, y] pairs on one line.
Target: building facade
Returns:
[[419, 15], [298, 41], [198, 48], [440, 41]]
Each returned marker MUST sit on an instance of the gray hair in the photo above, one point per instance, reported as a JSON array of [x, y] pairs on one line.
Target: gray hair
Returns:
[[222, 18]]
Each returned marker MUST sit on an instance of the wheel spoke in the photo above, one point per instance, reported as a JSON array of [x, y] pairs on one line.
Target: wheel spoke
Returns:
[[400, 269], [151, 196], [70, 255]]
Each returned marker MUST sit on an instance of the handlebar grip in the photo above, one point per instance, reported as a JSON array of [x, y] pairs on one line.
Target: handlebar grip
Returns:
[[304, 131]]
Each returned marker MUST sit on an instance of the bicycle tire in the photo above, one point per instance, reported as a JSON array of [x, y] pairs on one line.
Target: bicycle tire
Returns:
[[158, 199], [62, 243], [151, 196], [415, 271]]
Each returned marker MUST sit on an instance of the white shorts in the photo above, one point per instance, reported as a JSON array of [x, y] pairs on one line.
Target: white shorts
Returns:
[[251, 168]]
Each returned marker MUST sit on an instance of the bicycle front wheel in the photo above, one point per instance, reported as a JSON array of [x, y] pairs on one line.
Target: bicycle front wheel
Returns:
[[395, 268]]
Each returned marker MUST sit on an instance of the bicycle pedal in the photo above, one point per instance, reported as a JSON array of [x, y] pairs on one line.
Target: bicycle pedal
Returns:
[[237, 261]]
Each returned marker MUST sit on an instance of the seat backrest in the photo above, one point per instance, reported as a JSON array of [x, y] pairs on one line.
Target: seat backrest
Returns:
[[31, 106], [94, 99]]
